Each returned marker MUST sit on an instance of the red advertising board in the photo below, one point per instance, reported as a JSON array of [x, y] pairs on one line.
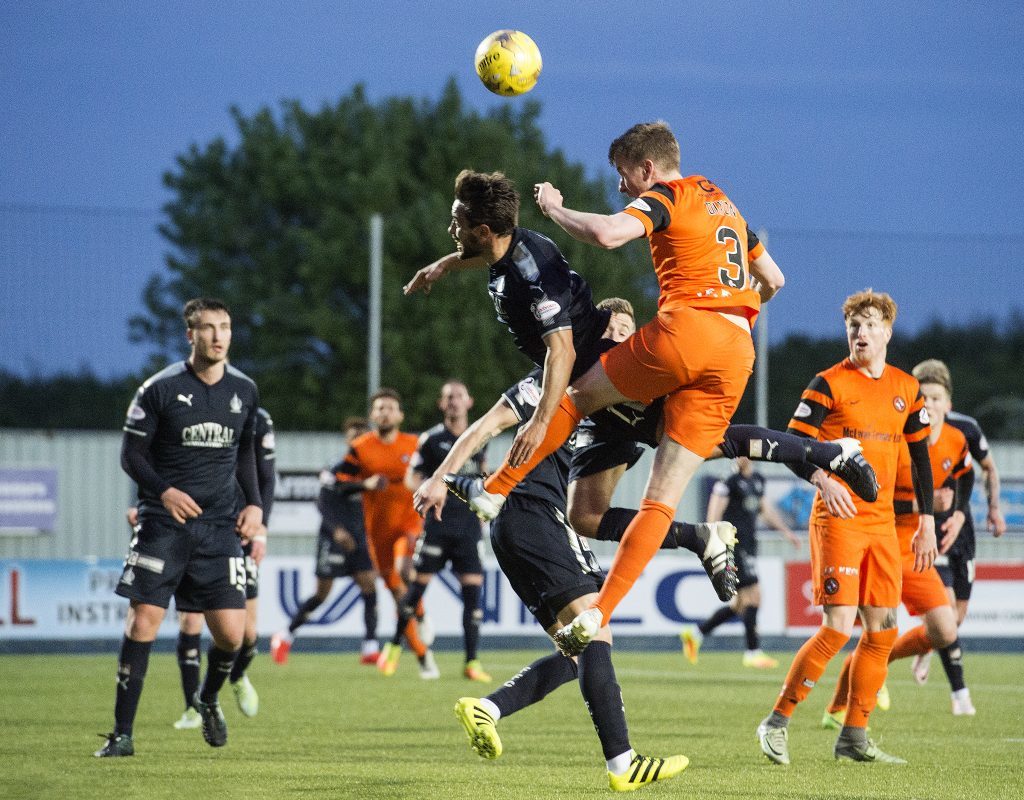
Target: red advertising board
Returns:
[[800, 609]]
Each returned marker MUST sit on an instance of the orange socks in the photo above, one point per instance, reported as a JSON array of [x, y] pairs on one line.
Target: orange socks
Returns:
[[642, 539], [562, 424], [807, 668], [412, 630], [913, 642], [842, 693], [867, 674], [412, 636]]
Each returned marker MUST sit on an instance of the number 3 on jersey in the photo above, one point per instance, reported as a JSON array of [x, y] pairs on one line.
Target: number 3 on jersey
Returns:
[[735, 275]]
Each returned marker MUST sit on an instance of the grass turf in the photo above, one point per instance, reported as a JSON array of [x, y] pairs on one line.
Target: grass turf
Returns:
[[328, 727]]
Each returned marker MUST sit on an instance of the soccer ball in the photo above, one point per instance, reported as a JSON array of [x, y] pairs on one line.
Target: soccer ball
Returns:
[[508, 62]]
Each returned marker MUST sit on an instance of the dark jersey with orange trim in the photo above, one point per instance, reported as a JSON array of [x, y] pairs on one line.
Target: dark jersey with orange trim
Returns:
[[700, 245], [388, 511], [950, 458], [882, 413]]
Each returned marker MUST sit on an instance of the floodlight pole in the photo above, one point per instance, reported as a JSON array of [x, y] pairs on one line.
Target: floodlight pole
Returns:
[[374, 305], [761, 372]]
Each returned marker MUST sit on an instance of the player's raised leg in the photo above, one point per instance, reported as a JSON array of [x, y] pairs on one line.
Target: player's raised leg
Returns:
[[674, 466]]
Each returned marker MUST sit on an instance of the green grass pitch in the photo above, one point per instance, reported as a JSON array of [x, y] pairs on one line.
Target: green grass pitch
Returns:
[[328, 727]]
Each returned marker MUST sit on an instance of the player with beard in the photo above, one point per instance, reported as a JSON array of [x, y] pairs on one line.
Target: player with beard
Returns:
[[453, 535], [376, 464], [697, 352], [554, 573]]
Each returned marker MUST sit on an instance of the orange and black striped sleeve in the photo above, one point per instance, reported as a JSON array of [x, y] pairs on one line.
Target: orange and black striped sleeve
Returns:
[[917, 426], [815, 404], [350, 467], [653, 208]]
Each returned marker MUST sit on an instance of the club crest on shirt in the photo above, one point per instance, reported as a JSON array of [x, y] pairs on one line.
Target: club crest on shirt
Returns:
[[235, 406], [899, 403], [946, 464]]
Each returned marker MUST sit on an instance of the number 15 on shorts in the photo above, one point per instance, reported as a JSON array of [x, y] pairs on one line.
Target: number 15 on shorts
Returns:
[[236, 573]]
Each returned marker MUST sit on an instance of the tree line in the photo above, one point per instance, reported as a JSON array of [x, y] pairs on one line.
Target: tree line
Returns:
[[276, 223], [984, 357]]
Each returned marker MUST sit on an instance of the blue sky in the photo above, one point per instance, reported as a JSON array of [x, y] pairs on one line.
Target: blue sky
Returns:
[[879, 145]]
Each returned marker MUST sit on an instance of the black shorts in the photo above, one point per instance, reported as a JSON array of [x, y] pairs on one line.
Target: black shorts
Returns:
[[199, 563], [252, 574], [592, 454], [332, 561], [956, 571], [441, 542], [545, 561], [746, 565]]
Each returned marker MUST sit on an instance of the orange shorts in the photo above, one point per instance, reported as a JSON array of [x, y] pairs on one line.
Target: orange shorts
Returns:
[[386, 550], [852, 568], [922, 591], [698, 360]]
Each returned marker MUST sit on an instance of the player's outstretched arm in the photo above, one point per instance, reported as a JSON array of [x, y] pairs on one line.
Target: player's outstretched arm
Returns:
[[432, 492], [604, 230], [425, 278]]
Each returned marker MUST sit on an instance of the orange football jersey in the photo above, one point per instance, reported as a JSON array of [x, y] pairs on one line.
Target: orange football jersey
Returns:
[[882, 413], [388, 512], [950, 458], [700, 246]]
